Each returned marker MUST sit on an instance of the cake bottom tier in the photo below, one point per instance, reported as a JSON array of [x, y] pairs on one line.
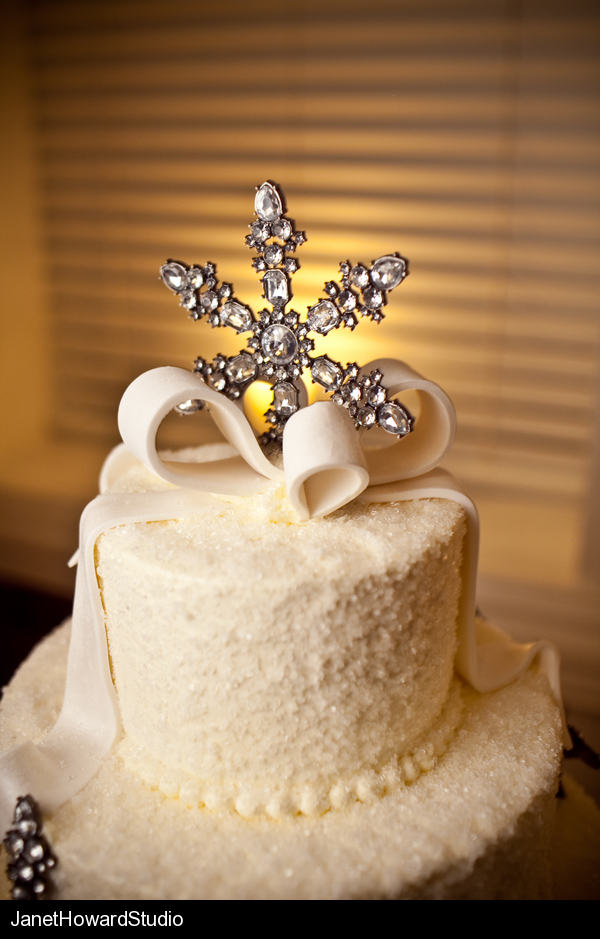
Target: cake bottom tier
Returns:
[[476, 826]]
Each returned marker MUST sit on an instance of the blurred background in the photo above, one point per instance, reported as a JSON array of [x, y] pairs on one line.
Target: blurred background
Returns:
[[464, 134]]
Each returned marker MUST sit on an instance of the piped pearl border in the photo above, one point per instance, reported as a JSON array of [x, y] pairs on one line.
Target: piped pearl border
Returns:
[[281, 802]]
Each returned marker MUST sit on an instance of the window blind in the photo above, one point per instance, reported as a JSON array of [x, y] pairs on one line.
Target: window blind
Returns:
[[463, 134]]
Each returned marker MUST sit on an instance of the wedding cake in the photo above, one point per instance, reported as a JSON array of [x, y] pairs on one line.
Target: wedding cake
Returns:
[[276, 685]]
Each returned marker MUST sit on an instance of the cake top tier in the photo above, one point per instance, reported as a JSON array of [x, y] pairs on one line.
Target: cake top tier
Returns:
[[288, 664]]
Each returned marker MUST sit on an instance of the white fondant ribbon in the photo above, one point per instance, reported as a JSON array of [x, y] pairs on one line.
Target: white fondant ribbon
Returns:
[[326, 465], [149, 399], [331, 470], [430, 440]]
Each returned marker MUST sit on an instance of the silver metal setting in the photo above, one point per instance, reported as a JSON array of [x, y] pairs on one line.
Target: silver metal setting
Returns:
[[30, 857], [279, 348]]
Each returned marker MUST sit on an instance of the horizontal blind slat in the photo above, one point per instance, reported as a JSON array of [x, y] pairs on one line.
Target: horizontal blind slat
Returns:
[[465, 137]]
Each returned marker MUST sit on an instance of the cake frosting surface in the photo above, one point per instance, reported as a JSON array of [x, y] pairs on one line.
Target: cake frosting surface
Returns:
[[291, 718], [280, 666], [476, 826]]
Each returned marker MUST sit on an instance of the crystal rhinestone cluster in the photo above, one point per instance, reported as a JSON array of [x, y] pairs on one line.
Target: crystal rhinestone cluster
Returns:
[[30, 857], [278, 350]]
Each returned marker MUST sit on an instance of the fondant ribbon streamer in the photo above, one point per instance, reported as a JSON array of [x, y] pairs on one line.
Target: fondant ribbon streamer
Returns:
[[326, 464]]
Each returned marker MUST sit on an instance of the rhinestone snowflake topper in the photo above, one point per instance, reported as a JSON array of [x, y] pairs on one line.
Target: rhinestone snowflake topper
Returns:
[[278, 350]]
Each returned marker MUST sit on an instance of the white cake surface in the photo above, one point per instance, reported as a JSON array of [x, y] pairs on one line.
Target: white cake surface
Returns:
[[275, 666], [292, 724], [476, 826]]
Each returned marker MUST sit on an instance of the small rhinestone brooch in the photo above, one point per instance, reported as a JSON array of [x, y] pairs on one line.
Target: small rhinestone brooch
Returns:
[[30, 857]]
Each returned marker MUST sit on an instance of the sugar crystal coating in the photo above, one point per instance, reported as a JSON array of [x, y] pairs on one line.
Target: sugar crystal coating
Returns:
[[476, 827], [286, 657]]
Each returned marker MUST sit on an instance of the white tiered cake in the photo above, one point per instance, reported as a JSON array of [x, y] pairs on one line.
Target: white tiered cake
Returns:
[[292, 724], [277, 686]]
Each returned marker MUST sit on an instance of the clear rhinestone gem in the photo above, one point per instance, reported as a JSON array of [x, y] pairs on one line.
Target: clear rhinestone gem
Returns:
[[273, 254], [291, 265], [366, 417], [282, 229], [279, 343], [195, 277], [275, 287], [323, 317], [376, 395], [373, 298], [241, 368], [359, 276], [237, 316], [209, 301], [190, 406], [347, 300], [189, 300], [326, 373], [260, 231], [36, 851], [217, 381], [14, 844], [285, 399], [352, 392], [394, 419], [267, 203], [26, 807], [174, 275], [387, 272]]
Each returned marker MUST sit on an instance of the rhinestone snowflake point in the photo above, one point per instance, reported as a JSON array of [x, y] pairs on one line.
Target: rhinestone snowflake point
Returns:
[[278, 349]]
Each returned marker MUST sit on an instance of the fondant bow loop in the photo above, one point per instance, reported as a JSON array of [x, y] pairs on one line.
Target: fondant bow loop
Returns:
[[430, 440], [326, 462], [149, 399]]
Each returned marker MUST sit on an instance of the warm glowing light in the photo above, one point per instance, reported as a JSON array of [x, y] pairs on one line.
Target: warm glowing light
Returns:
[[256, 401]]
